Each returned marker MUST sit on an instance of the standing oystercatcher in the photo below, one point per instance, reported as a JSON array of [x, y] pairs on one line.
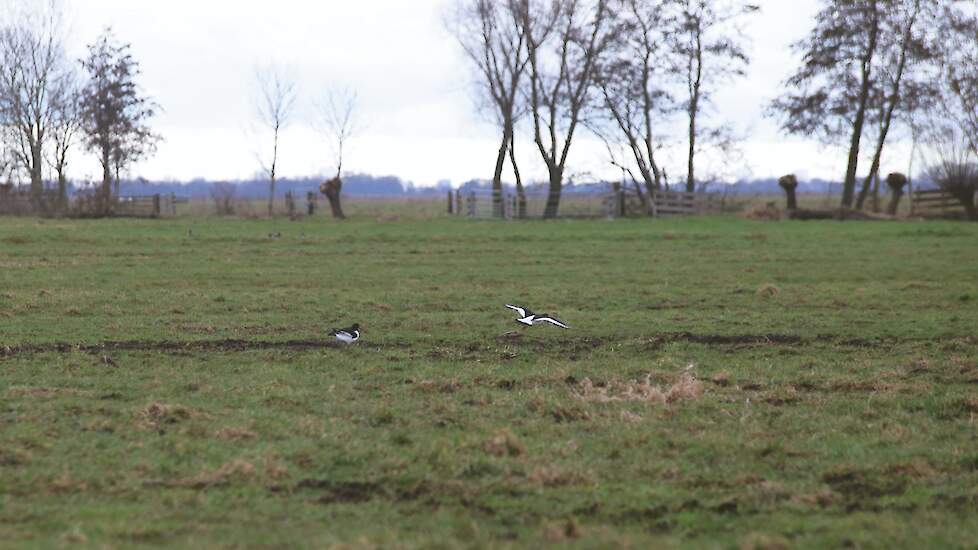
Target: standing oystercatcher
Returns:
[[348, 335], [528, 318]]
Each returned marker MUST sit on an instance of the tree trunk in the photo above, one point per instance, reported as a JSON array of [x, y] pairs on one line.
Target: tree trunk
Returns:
[[849, 187], [520, 192], [497, 175], [37, 179], [896, 182], [62, 190], [105, 201], [271, 196], [553, 194], [271, 175], [896, 195], [332, 189], [694, 105], [690, 177], [887, 119]]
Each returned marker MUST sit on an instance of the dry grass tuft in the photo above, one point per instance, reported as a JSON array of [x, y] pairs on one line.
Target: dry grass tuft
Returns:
[[767, 213], [235, 471], [431, 386], [768, 290], [14, 457], [687, 387], [822, 499], [629, 417], [157, 414], [553, 476], [17, 239], [562, 531], [235, 434], [504, 443], [721, 379], [760, 541], [65, 484]]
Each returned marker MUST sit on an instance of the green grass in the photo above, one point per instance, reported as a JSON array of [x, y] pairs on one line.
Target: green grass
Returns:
[[158, 389]]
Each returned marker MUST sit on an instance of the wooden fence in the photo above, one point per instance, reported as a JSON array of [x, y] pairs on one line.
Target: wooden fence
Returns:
[[676, 203], [934, 202], [147, 206], [610, 204]]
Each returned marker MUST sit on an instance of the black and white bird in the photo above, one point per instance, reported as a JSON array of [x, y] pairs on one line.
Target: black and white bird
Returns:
[[528, 318], [348, 335]]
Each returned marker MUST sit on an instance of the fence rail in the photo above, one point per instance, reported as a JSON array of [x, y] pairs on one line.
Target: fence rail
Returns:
[[675, 203], [146, 206], [934, 202], [483, 204]]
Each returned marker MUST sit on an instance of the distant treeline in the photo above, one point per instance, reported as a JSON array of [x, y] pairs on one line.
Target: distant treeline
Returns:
[[365, 185]]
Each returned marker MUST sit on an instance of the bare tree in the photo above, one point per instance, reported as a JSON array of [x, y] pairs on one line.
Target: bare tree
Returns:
[[830, 94], [904, 82], [634, 83], [949, 125], [565, 40], [32, 60], [223, 194], [338, 123], [709, 50], [114, 112], [491, 34], [67, 122], [274, 108], [958, 57]]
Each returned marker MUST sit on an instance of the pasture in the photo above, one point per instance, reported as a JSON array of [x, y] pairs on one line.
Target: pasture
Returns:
[[726, 383]]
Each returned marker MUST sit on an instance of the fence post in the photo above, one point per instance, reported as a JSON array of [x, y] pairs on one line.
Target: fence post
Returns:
[[311, 203], [451, 203], [458, 202], [290, 204], [470, 204], [156, 205]]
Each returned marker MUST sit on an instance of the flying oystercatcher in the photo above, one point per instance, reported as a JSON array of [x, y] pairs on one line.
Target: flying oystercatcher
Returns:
[[348, 335], [528, 318]]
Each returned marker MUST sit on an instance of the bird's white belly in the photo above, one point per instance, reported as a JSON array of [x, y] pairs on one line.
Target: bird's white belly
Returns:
[[528, 321], [346, 338]]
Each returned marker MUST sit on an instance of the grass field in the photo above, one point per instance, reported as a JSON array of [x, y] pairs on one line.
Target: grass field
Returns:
[[726, 383]]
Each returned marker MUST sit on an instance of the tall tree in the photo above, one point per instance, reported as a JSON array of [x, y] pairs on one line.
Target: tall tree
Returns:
[[710, 51], [565, 41], [32, 61], [338, 123], [829, 95], [492, 36], [958, 55], [274, 107], [634, 81], [66, 124], [114, 112], [905, 79]]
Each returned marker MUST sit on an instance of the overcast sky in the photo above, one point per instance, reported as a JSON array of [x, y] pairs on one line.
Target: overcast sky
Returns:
[[419, 121]]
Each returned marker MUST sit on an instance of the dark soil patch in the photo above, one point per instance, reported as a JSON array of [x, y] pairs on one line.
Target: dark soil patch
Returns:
[[227, 345], [468, 350], [859, 484], [337, 492]]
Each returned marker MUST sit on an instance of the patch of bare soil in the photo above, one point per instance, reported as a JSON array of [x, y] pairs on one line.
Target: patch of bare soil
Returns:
[[337, 492]]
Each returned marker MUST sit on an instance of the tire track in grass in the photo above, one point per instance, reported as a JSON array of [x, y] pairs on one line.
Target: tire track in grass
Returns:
[[653, 343]]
